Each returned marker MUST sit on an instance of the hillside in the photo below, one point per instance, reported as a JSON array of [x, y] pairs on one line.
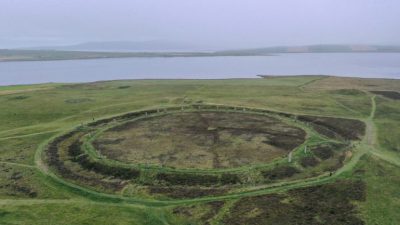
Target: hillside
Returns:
[[119, 50], [315, 49]]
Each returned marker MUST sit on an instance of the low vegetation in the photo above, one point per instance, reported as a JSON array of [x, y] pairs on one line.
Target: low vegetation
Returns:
[[388, 94], [336, 127], [342, 166], [200, 140], [325, 204]]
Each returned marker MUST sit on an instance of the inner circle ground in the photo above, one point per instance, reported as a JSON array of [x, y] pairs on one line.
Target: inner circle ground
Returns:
[[202, 139]]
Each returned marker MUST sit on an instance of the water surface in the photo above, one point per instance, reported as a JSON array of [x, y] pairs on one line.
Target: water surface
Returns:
[[381, 65]]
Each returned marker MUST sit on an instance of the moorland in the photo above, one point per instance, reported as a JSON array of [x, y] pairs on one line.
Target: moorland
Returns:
[[271, 150]]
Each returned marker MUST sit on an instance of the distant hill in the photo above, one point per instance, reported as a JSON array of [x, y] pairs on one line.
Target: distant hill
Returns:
[[48, 55], [74, 52], [167, 46], [125, 46], [313, 49]]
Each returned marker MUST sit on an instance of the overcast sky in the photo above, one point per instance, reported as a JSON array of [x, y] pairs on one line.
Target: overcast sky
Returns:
[[209, 23]]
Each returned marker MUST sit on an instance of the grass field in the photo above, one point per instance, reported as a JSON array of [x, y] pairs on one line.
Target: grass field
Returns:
[[362, 190]]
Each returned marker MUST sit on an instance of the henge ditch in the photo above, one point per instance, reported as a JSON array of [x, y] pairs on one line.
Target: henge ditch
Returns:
[[73, 157]]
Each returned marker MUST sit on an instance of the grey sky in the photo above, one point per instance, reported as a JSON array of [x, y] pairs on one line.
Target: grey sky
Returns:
[[222, 23]]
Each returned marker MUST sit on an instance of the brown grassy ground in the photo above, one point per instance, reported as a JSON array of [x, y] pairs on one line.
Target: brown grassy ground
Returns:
[[332, 83], [324, 204], [388, 94], [201, 140]]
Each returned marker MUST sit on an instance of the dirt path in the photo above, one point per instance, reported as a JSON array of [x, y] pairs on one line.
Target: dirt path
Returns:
[[386, 156], [73, 201], [302, 86], [370, 130], [371, 135], [29, 135], [17, 164]]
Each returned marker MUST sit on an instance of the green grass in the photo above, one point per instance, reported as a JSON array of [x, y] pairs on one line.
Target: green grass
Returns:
[[31, 114], [27, 87], [74, 213], [383, 197], [388, 123], [21, 149]]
